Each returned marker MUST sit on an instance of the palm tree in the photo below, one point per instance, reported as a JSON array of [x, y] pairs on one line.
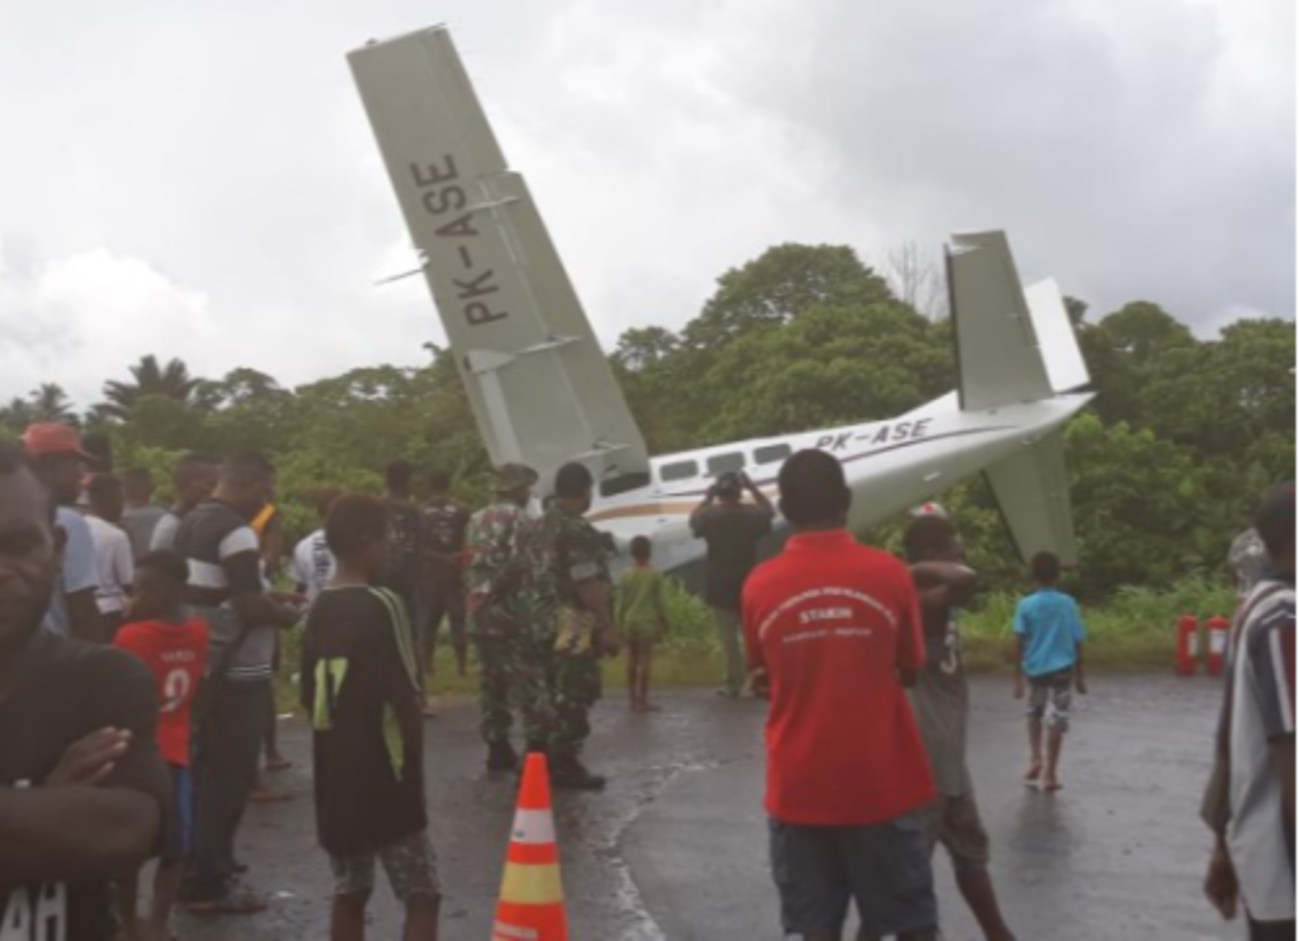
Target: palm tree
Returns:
[[16, 416], [172, 381], [49, 403]]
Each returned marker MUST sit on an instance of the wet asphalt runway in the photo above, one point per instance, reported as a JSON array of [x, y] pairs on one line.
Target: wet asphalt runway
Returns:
[[676, 847]]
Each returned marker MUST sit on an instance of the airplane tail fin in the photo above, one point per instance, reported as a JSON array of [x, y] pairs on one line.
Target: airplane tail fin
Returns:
[[539, 385], [1013, 344], [1016, 345]]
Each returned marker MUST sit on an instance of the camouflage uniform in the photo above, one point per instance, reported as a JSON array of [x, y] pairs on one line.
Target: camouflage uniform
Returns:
[[501, 585], [576, 552]]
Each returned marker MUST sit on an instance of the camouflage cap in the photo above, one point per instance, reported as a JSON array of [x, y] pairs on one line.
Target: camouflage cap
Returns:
[[514, 477]]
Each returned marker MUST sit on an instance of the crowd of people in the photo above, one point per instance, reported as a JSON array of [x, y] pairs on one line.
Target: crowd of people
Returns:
[[190, 594], [166, 623], [838, 633]]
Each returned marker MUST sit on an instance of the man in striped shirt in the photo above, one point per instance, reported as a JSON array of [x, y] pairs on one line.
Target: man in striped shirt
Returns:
[[1254, 860], [226, 589]]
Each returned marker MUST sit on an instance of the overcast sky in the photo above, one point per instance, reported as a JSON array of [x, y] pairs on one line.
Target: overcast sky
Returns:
[[198, 180]]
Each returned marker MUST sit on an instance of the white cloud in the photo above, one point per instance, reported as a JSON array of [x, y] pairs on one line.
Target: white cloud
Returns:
[[83, 317], [205, 172]]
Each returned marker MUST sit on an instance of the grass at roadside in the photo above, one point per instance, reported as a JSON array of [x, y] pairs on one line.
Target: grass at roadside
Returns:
[[1132, 632]]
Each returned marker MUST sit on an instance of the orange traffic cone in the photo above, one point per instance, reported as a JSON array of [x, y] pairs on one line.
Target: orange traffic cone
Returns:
[[532, 897]]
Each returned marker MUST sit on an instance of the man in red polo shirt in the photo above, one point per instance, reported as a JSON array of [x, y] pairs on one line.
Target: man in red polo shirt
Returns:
[[835, 629]]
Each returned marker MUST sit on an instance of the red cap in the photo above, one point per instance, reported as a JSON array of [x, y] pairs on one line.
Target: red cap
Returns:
[[47, 438], [928, 509]]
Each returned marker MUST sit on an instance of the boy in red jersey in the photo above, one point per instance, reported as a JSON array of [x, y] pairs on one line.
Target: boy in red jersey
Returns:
[[835, 629], [174, 648]]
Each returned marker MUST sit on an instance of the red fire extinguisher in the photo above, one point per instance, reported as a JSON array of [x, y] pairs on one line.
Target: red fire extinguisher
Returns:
[[1188, 645], [1219, 630]]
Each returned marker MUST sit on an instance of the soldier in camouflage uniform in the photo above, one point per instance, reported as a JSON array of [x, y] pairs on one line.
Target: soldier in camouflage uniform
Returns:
[[583, 623], [501, 601]]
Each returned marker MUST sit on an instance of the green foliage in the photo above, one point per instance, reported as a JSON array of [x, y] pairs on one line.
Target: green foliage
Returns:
[[159, 461], [1132, 630], [691, 621], [782, 284], [46, 403], [834, 365], [1183, 436], [148, 379]]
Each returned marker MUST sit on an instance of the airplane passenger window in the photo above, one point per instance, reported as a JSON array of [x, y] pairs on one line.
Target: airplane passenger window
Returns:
[[721, 463], [681, 470], [627, 482], [772, 453]]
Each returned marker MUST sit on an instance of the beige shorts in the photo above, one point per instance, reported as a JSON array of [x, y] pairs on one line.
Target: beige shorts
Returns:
[[410, 863]]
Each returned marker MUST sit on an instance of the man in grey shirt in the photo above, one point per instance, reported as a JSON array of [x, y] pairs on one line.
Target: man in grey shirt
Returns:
[[941, 699], [140, 516], [194, 478]]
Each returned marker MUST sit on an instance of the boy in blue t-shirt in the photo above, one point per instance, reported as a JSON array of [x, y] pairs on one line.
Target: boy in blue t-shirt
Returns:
[[1049, 634]]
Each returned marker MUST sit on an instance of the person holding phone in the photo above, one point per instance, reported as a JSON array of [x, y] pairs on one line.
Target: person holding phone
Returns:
[[732, 530]]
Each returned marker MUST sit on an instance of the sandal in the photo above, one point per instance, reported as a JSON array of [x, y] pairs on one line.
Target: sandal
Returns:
[[232, 903]]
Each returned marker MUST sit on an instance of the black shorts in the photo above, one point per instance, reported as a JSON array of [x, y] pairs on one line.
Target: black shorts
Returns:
[[1271, 930], [883, 867]]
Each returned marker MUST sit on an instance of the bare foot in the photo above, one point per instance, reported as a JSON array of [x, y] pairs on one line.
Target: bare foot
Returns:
[[1033, 773], [1052, 784]]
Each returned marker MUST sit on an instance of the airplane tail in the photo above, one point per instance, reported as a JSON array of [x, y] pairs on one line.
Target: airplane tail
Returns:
[[1013, 344], [1016, 345], [540, 387]]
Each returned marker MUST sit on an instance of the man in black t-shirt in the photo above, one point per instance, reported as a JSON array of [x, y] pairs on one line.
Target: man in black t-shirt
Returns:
[[732, 529], [360, 686], [82, 788], [404, 573], [226, 589], [446, 521]]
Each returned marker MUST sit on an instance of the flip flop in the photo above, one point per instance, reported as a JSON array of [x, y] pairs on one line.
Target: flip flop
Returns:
[[279, 764], [269, 795], [232, 903]]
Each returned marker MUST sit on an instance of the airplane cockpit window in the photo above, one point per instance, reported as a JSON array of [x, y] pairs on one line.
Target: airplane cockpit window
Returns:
[[772, 453], [681, 470], [721, 463]]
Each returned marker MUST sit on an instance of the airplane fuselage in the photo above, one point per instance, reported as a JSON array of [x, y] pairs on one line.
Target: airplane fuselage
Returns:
[[890, 465]]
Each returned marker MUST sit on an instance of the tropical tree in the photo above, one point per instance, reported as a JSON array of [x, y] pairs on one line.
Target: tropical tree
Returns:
[[49, 403], [781, 284], [15, 416], [172, 381]]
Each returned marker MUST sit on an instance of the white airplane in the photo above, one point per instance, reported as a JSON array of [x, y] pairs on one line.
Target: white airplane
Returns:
[[543, 393]]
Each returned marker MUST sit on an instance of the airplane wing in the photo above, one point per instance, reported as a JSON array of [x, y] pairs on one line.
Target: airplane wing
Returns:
[[540, 387]]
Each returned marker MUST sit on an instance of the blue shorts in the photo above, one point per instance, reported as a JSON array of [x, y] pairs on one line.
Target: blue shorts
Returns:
[[884, 868], [180, 816]]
